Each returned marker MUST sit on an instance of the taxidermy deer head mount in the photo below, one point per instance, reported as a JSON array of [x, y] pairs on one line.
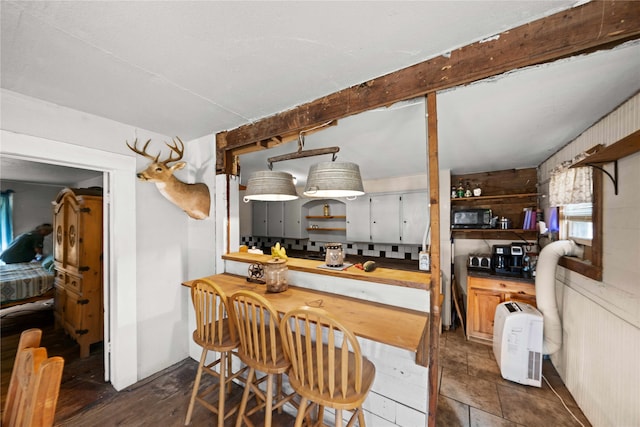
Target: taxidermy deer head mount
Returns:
[[194, 199]]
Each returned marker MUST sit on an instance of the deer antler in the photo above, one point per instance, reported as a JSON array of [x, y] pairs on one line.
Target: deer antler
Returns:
[[144, 150], [174, 149]]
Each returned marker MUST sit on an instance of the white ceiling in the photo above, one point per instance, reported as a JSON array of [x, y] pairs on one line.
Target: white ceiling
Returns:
[[196, 68]]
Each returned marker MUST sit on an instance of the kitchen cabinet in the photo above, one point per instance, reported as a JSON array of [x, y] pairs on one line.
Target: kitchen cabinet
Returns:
[[415, 217], [484, 293], [78, 305], [259, 218], [385, 218], [294, 220], [275, 219], [358, 218], [388, 218], [279, 219]]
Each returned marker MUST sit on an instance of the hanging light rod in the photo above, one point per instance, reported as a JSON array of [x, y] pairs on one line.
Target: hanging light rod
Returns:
[[305, 153]]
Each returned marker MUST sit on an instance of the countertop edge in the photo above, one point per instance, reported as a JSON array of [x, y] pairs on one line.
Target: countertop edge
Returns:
[[489, 275], [387, 276]]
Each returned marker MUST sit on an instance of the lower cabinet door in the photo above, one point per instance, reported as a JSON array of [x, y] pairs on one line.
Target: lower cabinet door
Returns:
[[482, 309], [59, 304], [73, 314]]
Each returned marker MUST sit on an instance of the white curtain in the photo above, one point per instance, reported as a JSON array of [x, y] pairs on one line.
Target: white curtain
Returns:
[[569, 186]]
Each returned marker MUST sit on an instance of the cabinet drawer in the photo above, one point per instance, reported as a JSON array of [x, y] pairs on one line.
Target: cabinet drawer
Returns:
[[502, 285], [68, 281]]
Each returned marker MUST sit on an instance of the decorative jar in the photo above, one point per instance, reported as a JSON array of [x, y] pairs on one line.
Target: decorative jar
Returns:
[[275, 275]]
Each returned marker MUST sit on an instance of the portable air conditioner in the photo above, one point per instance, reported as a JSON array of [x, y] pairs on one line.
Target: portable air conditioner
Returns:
[[517, 342]]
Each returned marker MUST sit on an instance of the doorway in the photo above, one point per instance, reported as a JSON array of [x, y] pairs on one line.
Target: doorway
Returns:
[[119, 213]]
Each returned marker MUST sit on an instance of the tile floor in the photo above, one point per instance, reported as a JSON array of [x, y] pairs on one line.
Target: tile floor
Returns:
[[474, 394]]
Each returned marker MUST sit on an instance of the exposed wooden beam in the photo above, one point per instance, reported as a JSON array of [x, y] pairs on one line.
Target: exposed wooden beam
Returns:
[[592, 26], [435, 300]]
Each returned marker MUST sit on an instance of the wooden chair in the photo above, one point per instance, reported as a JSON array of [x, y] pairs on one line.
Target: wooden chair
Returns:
[[257, 324], [34, 386], [214, 332], [327, 366]]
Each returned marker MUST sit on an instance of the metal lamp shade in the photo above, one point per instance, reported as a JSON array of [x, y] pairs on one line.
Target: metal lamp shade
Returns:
[[270, 186], [334, 179]]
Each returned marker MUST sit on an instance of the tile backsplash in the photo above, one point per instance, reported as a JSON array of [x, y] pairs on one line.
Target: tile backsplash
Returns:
[[377, 250]]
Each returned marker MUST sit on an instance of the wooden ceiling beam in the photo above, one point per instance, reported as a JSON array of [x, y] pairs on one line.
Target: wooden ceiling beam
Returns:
[[594, 25]]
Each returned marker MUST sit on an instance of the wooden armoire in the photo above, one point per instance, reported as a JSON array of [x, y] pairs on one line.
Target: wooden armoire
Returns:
[[77, 236]]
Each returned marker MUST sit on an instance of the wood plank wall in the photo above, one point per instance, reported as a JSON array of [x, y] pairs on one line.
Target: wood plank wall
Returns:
[[498, 183]]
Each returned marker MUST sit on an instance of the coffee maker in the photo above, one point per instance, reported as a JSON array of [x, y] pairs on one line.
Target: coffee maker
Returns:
[[507, 259], [500, 259]]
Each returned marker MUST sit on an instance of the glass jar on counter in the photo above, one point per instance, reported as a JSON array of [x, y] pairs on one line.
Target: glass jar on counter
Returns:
[[275, 275]]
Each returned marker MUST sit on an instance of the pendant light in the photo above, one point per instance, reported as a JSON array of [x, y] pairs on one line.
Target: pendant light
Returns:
[[326, 179], [334, 179], [270, 186]]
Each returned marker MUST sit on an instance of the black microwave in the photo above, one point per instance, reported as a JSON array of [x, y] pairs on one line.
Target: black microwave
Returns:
[[471, 218]]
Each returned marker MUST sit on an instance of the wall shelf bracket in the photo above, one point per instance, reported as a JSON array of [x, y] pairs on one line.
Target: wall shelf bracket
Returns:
[[624, 147], [614, 177]]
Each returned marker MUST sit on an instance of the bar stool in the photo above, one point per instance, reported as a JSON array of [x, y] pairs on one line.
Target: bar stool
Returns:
[[214, 332], [327, 366], [257, 324]]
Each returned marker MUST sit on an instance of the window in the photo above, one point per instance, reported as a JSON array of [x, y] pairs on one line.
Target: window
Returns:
[[576, 223], [591, 266], [6, 218]]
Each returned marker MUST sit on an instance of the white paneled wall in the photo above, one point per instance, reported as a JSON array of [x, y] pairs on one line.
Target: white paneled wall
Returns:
[[598, 360]]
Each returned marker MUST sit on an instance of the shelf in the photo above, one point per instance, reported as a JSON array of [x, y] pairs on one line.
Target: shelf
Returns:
[[494, 233], [326, 217], [622, 148], [628, 145], [502, 196], [326, 229]]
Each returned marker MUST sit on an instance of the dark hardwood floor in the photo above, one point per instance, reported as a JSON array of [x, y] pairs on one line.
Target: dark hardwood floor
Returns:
[[87, 400]]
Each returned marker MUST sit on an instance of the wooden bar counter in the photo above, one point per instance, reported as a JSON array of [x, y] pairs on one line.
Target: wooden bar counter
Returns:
[[387, 309], [386, 324]]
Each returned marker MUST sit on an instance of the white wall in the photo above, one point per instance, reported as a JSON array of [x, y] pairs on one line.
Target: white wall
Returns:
[[149, 304], [598, 360]]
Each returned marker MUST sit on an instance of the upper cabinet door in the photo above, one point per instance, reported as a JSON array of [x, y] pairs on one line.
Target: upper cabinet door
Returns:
[[73, 221], [59, 229], [294, 220], [415, 217], [358, 220], [259, 218], [275, 219], [385, 218]]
